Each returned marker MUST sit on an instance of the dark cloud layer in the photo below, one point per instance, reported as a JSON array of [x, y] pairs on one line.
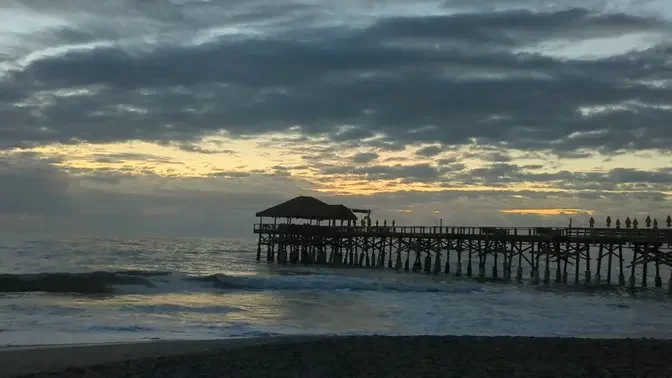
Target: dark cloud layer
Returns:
[[446, 79], [503, 174], [32, 186], [450, 174]]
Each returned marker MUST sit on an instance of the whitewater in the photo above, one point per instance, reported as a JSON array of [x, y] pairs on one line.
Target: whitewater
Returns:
[[56, 290]]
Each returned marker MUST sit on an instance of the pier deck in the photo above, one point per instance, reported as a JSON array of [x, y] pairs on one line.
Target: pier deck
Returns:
[[526, 234]]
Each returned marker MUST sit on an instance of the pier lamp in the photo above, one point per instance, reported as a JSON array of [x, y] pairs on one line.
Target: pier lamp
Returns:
[[608, 221], [648, 221], [669, 221], [618, 223]]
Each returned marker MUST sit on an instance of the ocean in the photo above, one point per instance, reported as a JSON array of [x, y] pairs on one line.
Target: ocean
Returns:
[[58, 290]]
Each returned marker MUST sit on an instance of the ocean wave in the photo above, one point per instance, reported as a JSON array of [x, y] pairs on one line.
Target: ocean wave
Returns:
[[110, 328], [181, 308], [85, 283], [328, 282], [148, 282]]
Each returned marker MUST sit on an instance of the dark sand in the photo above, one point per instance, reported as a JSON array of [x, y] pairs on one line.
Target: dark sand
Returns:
[[366, 356]]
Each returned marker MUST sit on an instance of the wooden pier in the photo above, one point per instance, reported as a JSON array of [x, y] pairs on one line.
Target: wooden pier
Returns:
[[316, 233]]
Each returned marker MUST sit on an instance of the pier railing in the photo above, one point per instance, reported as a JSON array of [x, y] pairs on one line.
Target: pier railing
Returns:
[[421, 230], [646, 235]]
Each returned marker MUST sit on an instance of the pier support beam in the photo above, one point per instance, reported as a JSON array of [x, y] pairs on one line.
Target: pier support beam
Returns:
[[282, 254], [621, 275], [632, 267], [495, 273], [458, 269], [469, 262], [645, 265], [557, 252], [535, 276], [481, 270], [389, 260], [428, 263]]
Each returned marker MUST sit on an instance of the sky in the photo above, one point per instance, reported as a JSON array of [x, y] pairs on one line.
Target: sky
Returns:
[[185, 117]]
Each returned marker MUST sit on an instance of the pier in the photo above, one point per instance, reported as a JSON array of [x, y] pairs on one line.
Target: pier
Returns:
[[305, 230]]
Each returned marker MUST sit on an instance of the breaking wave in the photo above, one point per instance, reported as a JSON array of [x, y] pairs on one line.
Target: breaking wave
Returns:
[[85, 283], [329, 282], [127, 282]]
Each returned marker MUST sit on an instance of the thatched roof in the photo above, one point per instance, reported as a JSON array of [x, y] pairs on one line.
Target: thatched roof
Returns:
[[342, 212], [304, 207]]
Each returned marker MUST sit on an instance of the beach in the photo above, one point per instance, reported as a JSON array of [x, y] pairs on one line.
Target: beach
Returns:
[[355, 356]]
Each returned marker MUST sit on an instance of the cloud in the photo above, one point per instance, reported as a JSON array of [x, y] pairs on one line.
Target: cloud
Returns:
[[416, 172], [192, 147], [489, 156], [429, 151], [388, 78], [33, 186], [464, 107], [121, 157], [365, 157], [623, 179], [515, 27]]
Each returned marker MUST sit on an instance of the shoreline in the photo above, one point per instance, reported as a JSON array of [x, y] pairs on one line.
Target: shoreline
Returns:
[[31, 359], [349, 356]]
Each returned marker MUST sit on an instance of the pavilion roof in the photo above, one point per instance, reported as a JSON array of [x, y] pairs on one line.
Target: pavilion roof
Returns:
[[304, 207], [342, 212]]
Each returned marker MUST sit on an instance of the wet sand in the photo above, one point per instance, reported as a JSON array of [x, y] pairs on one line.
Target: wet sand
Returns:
[[361, 356]]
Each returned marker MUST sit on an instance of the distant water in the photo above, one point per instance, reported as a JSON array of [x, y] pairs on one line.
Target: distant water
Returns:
[[81, 290]]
